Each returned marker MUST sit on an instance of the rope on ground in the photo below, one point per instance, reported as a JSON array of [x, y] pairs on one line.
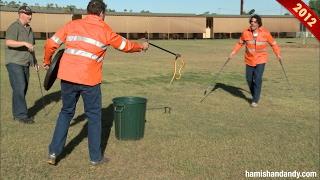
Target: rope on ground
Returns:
[[177, 75]]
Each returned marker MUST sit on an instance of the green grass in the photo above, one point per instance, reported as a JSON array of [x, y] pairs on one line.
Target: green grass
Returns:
[[220, 138]]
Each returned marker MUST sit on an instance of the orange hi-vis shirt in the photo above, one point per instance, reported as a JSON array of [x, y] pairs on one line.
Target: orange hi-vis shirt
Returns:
[[86, 41], [256, 47]]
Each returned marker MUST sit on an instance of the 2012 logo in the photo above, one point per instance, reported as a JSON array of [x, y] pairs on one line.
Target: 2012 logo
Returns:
[[303, 12]]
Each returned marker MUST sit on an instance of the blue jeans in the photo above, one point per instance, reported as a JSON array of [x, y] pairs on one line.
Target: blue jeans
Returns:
[[254, 80], [91, 95], [19, 80]]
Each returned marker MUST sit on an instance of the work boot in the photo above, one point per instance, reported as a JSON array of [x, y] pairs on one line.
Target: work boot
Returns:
[[27, 120], [102, 161]]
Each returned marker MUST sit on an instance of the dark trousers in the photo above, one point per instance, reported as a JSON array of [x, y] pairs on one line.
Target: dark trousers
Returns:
[[91, 95], [254, 79], [19, 80]]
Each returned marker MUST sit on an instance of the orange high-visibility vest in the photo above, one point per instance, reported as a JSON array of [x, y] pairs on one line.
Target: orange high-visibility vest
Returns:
[[86, 42], [256, 47]]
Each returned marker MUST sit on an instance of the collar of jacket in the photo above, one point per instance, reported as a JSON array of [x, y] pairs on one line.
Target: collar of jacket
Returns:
[[93, 17], [260, 29]]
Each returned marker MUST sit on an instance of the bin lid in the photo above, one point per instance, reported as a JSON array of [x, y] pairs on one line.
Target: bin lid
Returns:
[[129, 100], [52, 72]]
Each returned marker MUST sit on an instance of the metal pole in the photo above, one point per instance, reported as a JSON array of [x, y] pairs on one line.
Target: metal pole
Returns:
[[211, 87], [285, 74], [177, 55], [42, 99], [241, 7], [35, 63]]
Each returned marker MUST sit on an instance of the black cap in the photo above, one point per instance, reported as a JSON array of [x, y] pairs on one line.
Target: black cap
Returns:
[[25, 9]]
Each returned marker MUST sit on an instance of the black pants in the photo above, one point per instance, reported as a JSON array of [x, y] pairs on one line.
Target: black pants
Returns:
[[254, 79]]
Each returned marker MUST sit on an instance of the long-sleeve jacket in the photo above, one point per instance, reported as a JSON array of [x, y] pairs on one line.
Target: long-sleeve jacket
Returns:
[[86, 41], [256, 47]]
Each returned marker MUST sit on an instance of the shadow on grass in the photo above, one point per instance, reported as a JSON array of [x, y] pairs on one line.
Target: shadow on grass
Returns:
[[106, 123], [235, 91], [44, 101]]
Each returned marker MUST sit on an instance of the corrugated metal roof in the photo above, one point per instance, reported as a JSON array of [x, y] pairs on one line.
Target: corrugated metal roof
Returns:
[[149, 14], [247, 16], [82, 11], [46, 11]]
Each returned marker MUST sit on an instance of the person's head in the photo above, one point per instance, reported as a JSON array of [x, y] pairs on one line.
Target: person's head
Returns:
[[25, 14], [97, 7], [255, 22]]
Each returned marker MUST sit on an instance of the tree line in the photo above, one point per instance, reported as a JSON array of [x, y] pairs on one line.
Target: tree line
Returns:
[[313, 4], [51, 6]]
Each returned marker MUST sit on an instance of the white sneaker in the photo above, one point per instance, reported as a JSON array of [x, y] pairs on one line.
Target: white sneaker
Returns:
[[52, 159], [254, 104]]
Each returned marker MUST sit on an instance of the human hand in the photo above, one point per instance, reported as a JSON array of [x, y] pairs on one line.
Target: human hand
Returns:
[[279, 57], [29, 46], [36, 66], [230, 56], [46, 66], [145, 46]]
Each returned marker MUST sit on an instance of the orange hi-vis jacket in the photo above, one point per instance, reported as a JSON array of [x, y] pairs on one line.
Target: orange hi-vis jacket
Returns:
[[256, 47], [86, 42]]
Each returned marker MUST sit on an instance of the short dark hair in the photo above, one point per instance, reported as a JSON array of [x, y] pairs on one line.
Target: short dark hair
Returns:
[[258, 18], [96, 7]]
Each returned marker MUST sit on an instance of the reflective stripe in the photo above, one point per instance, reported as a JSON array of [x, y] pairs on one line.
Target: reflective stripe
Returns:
[[261, 50], [83, 53], [274, 43], [123, 44], [250, 42], [56, 39], [251, 50], [259, 43], [87, 40]]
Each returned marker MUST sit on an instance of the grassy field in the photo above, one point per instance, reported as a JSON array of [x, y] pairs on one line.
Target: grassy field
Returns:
[[220, 138]]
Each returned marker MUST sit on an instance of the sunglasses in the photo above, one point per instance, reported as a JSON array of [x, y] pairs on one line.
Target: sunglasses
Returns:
[[27, 13]]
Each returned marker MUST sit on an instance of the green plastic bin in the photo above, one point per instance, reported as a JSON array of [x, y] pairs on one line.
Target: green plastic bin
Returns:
[[129, 117]]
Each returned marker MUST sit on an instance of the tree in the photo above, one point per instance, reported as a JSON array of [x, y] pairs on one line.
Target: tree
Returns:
[[315, 6], [145, 11], [2, 3], [110, 10], [50, 6], [13, 4], [70, 8], [206, 13]]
